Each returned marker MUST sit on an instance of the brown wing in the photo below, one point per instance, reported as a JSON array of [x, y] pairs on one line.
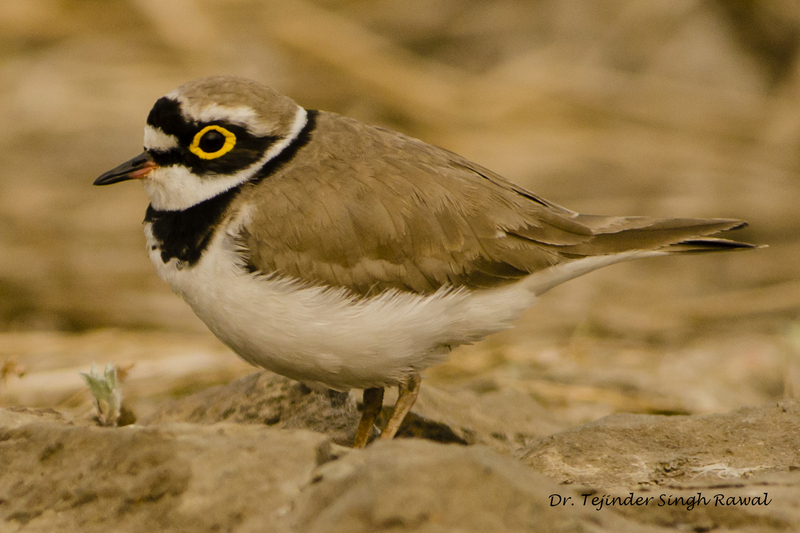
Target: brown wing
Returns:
[[369, 209]]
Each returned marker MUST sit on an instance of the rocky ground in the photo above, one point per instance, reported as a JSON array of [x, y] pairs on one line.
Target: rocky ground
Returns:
[[268, 454], [670, 384]]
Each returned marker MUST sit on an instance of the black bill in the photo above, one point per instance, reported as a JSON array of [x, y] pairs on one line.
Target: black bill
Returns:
[[136, 168]]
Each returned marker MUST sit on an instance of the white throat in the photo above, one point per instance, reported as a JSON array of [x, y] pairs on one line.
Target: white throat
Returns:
[[175, 188]]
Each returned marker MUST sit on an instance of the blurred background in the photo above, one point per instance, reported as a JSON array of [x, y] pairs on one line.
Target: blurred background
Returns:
[[623, 107]]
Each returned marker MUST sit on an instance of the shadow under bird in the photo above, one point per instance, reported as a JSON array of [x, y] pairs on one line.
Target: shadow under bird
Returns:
[[334, 252]]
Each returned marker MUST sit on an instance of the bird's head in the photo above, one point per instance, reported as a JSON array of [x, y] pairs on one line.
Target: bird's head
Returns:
[[208, 136]]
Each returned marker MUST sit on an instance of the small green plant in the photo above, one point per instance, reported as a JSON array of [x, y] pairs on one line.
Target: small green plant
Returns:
[[107, 396]]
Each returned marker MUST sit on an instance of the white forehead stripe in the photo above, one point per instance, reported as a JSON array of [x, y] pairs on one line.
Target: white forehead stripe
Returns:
[[157, 140], [210, 112]]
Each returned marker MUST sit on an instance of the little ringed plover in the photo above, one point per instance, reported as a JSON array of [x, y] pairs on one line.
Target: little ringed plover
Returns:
[[335, 252]]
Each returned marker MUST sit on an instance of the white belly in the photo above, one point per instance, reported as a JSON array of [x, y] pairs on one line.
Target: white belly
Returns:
[[317, 335]]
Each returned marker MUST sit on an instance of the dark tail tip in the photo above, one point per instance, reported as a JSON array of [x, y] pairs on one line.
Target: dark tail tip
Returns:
[[711, 244]]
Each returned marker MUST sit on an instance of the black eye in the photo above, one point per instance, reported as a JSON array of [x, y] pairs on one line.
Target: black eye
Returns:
[[212, 141]]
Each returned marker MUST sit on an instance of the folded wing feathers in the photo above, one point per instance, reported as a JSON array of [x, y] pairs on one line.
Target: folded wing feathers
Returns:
[[397, 213]]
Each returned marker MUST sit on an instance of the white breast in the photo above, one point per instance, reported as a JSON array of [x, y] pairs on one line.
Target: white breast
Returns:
[[323, 335]]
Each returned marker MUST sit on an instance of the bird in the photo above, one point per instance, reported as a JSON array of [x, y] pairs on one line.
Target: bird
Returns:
[[351, 256]]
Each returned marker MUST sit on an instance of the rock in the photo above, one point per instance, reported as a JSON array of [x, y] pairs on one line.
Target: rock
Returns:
[[268, 399], [176, 477], [625, 450], [761, 503], [415, 485]]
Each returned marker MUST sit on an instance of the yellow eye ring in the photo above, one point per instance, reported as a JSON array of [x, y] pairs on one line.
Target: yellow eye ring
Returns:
[[230, 142]]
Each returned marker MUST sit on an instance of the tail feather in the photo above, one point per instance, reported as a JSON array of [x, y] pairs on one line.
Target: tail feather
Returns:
[[618, 239], [709, 244], [622, 234]]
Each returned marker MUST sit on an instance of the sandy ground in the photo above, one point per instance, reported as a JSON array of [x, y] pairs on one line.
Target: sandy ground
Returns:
[[661, 108]]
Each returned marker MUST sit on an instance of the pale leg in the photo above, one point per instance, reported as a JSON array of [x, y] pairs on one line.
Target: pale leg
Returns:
[[373, 402], [406, 396]]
